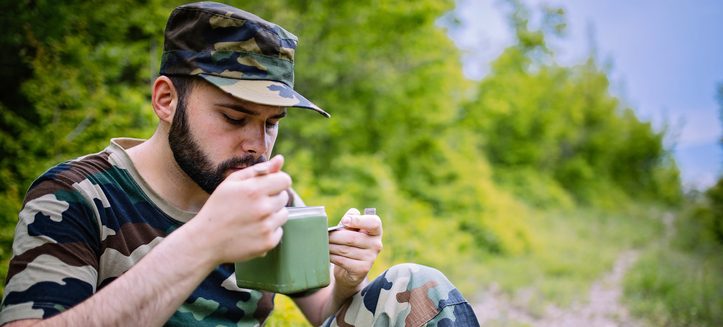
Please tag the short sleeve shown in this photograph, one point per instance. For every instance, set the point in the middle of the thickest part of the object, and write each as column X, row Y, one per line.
column 54, row 264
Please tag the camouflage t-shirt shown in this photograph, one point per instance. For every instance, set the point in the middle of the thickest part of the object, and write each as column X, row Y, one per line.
column 87, row 221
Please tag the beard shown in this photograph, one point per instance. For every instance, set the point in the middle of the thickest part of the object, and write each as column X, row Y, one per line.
column 193, row 161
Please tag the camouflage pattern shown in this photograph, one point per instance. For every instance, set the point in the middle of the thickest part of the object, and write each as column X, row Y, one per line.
column 87, row 221
column 406, row 295
column 237, row 51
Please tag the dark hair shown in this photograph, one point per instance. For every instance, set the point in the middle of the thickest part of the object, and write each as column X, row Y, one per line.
column 183, row 84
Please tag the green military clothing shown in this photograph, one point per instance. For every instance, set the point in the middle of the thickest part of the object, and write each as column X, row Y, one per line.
column 239, row 52
column 87, row 221
column 406, row 295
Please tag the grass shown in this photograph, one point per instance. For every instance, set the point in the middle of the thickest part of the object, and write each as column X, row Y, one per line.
column 673, row 288
column 679, row 281
column 572, row 249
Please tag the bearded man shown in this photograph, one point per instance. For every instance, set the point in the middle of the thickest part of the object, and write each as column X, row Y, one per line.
column 144, row 233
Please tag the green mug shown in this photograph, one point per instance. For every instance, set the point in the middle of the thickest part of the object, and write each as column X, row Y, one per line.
column 299, row 263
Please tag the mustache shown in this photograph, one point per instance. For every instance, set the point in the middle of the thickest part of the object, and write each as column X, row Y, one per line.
column 243, row 161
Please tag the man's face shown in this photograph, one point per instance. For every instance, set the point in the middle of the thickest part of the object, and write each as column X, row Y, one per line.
column 214, row 134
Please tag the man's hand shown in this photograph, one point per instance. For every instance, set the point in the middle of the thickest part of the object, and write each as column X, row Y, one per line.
column 242, row 219
column 354, row 249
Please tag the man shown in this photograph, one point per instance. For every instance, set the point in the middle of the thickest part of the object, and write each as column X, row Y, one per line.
column 142, row 233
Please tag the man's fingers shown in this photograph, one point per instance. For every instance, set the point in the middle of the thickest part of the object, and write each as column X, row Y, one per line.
column 371, row 224
column 280, row 217
column 266, row 184
column 275, row 239
column 352, row 211
column 356, row 268
column 282, row 198
column 274, row 183
column 351, row 252
column 349, row 238
column 272, row 166
column 355, row 239
column 268, row 167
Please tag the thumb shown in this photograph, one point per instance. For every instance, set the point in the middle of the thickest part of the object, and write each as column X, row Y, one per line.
column 272, row 166
column 352, row 211
column 346, row 219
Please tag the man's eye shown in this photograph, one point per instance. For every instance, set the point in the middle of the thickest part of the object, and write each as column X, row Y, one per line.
column 272, row 124
column 234, row 121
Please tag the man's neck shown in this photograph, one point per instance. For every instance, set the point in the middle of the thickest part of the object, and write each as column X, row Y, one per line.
column 154, row 161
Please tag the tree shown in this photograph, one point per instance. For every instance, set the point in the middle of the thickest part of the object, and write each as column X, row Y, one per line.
column 560, row 127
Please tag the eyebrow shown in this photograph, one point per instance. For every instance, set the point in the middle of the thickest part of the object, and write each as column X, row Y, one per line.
column 241, row 108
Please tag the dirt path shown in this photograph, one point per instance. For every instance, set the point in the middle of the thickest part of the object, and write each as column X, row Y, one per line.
column 602, row 307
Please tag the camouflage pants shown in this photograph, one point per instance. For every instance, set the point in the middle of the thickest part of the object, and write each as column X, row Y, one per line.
column 406, row 295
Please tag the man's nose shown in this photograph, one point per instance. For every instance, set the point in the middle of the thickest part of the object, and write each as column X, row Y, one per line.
column 254, row 139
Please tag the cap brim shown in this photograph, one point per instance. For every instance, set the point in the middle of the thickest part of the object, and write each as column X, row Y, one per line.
column 263, row 92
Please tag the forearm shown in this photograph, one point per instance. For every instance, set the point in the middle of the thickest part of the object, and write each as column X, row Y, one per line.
column 241, row 220
column 325, row 302
column 146, row 295
column 339, row 296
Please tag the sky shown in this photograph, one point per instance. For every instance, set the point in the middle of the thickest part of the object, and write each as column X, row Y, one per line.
column 666, row 58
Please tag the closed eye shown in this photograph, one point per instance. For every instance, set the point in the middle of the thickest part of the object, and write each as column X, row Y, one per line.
column 272, row 124
column 233, row 121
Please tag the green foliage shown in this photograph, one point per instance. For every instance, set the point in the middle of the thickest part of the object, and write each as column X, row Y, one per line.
column 563, row 123
column 677, row 281
column 707, row 217
column 674, row 288
column 453, row 166
column 538, row 190
column 286, row 314
column 80, row 75
column 393, row 142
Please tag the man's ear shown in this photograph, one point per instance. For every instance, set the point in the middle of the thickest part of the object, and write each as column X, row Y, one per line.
column 164, row 99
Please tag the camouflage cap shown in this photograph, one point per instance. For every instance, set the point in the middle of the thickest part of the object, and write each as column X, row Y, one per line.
column 237, row 51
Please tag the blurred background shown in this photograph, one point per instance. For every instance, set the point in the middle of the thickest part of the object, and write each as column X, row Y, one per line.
column 559, row 161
